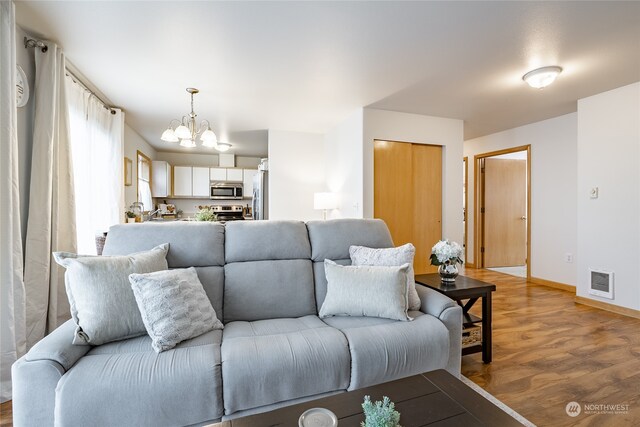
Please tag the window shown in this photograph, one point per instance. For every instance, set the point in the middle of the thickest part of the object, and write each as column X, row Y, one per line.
column 144, row 182
column 96, row 147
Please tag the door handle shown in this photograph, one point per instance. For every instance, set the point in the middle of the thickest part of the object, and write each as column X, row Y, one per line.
column 524, row 218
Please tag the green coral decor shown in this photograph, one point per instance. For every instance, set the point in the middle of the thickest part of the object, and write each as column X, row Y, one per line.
column 380, row 414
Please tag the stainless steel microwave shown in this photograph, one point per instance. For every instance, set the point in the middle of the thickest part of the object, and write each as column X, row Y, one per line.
column 220, row 190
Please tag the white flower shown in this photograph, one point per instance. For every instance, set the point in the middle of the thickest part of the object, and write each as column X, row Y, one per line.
column 447, row 251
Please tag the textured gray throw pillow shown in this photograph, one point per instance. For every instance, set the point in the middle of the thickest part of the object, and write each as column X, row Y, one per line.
column 361, row 255
column 174, row 306
column 371, row 291
column 100, row 296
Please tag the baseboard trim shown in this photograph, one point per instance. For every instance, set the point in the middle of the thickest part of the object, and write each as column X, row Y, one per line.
column 630, row 312
column 551, row 284
column 470, row 265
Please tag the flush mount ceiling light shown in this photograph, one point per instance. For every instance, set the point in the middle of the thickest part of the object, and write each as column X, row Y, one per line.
column 542, row 77
column 188, row 131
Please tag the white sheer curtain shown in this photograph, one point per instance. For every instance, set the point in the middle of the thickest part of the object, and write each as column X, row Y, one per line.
column 51, row 223
column 96, row 143
column 12, row 309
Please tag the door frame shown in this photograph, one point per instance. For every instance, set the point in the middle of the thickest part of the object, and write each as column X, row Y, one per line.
column 465, row 161
column 478, row 217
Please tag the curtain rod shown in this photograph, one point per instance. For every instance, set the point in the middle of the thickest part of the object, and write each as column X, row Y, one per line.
column 77, row 80
column 29, row 42
column 35, row 43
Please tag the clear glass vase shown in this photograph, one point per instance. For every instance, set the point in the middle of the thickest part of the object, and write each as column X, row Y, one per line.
column 448, row 272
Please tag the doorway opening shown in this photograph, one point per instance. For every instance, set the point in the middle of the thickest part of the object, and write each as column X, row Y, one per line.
column 503, row 211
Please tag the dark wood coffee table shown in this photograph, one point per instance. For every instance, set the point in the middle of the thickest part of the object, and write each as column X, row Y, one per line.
column 433, row 399
column 467, row 290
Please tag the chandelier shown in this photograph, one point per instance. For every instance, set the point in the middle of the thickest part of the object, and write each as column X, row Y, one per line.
column 188, row 130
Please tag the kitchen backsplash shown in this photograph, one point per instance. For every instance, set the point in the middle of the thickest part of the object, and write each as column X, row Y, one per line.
column 190, row 206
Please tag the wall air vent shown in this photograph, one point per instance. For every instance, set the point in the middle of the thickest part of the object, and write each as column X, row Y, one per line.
column 601, row 283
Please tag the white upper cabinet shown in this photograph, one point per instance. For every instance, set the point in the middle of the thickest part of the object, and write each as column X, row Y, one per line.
column 182, row 181
column 161, row 179
column 218, row 174
column 234, row 175
column 247, row 180
column 200, row 182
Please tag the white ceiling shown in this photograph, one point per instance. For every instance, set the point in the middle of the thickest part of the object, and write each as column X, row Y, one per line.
column 305, row 66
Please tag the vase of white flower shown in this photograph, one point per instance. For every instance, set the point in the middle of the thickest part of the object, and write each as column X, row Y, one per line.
column 447, row 255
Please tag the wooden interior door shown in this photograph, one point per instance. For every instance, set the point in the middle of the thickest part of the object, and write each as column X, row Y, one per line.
column 427, row 203
column 393, row 189
column 505, row 212
column 408, row 195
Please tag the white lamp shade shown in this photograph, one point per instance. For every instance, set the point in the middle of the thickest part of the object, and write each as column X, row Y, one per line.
column 169, row 136
column 324, row 201
column 222, row 146
column 183, row 132
column 208, row 136
column 209, row 143
column 188, row 143
column 542, row 77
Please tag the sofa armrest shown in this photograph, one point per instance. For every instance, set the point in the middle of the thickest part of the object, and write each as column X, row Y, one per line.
column 36, row 374
column 433, row 302
column 449, row 313
column 58, row 347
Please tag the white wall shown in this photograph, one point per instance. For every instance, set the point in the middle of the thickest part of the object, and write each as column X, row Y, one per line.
column 296, row 171
column 132, row 143
column 343, row 166
column 609, row 158
column 415, row 128
column 553, row 192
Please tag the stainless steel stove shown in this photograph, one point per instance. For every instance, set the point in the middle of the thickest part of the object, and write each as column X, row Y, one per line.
column 229, row 213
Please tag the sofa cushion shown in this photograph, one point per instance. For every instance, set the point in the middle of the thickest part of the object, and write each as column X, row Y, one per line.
column 174, row 306
column 260, row 290
column 384, row 350
column 100, row 297
column 275, row 360
column 332, row 239
column 266, row 240
column 192, row 243
column 144, row 388
column 366, row 291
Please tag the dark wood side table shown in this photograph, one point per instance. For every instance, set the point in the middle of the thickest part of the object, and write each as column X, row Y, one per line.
column 469, row 290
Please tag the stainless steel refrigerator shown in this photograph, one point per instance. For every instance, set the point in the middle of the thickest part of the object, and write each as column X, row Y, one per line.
column 260, row 206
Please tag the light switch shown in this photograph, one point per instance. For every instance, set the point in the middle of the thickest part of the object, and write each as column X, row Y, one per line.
column 594, row 193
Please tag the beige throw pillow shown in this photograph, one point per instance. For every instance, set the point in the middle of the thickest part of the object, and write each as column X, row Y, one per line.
column 370, row 291
column 361, row 255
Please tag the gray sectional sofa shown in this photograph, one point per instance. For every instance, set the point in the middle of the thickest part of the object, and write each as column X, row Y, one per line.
column 266, row 281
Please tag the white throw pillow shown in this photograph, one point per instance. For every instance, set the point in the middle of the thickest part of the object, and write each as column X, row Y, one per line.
column 100, row 297
column 371, row 291
column 361, row 255
column 174, row 306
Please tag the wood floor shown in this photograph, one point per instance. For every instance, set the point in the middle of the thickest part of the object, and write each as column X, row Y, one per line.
column 547, row 352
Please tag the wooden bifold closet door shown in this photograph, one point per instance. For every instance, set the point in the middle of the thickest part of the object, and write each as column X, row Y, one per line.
column 407, row 195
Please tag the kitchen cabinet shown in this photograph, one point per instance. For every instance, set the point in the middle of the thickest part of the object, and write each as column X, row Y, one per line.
column 247, row 179
column 182, row 181
column 200, row 182
column 234, row 175
column 218, row 174
column 161, row 179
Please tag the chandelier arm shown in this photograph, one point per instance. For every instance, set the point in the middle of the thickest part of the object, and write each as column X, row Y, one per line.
column 173, row 120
